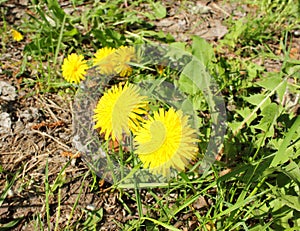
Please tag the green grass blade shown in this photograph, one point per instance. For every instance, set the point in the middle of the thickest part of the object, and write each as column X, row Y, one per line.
column 7, row 188
column 47, row 195
column 168, row 227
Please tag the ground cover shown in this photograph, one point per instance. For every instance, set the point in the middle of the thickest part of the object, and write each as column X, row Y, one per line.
column 249, row 48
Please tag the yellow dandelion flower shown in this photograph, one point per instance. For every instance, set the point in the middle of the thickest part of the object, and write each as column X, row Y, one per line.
column 17, row 36
column 74, row 68
column 104, row 60
column 123, row 56
column 120, row 110
column 166, row 141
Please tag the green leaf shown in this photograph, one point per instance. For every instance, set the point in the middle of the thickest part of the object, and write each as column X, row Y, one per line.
column 7, row 187
column 292, row 170
column 176, row 50
column 272, row 82
column 168, row 227
column 245, row 112
column 234, row 125
column 281, row 90
column 269, row 113
column 159, row 10
column 10, row 225
column 235, row 33
column 186, row 80
column 202, row 50
column 71, row 33
column 257, row 99
column 291, row 201
column 253, row 69
column 281, row 156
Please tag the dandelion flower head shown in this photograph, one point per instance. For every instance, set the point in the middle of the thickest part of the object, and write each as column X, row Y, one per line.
column 166, row 141
column 120, row 110
column 123, row 56
column 104, row 60
column 74, row 68
column 17, row 36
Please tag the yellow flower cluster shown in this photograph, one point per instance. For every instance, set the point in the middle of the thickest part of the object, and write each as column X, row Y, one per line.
column 163, row 141
column 115, row 61
column 108, row 61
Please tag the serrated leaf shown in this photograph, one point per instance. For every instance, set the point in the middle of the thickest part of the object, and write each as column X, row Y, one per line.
column 281, row 90
column 269, row 114
column 281, row 156
column 257, row 99
column 245, row 112
column 270, row 82
column 292, row 201
column 293, row 171
column 234, row 125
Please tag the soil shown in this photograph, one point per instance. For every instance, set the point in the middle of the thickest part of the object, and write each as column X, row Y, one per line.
column 36, row 134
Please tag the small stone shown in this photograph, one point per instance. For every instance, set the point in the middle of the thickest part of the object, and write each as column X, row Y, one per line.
column 200, row 203
column 7, row 91
column 29, row 114
column 297, row 33
column 91, row 207
column 73, row 162
column 5, row 123
column 10, row 193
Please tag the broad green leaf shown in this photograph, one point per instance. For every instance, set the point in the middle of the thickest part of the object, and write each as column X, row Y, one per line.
column 253, row 69
column 202, row 50
column 234, row 125
column 159, row 10
column 186, row 85
column 176, row 50
column 188, row 77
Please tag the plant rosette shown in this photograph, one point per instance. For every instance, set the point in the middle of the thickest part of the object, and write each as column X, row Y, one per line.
column 136, row 119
